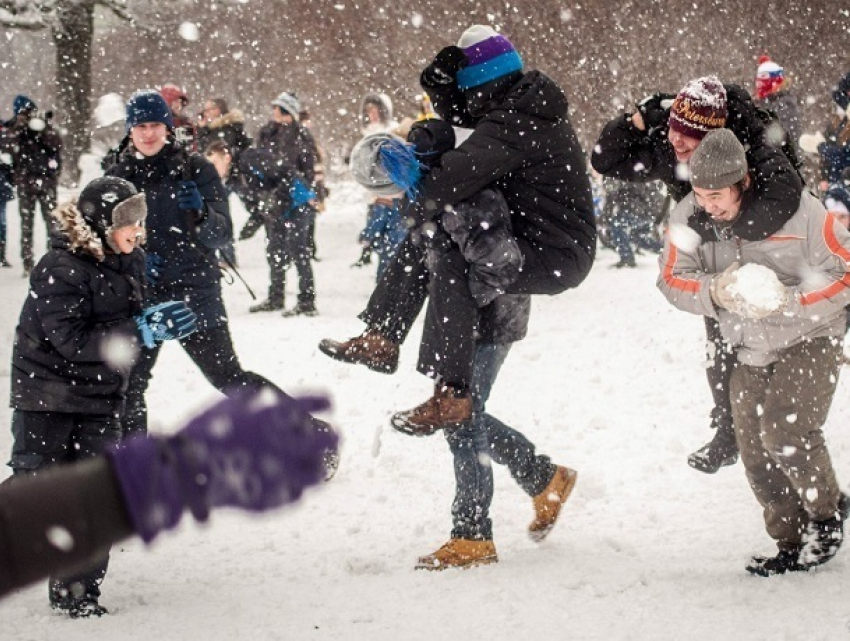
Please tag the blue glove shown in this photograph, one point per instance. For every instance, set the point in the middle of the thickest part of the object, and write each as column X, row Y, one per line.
column 166, row 321
column 188, row 196
column 153, row 265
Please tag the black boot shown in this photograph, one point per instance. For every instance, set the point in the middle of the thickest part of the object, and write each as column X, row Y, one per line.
column 822, row 541
column 302, row 309
column 268, row 305
column 784, row 561
column 3, row 261
column 720, row 451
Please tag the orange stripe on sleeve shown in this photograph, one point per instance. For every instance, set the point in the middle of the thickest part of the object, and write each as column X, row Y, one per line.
column 825, row 293
column 675, row 282
column 831, row 239
column 837, row 249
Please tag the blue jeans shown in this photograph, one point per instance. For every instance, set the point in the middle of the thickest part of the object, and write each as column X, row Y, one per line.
column 485, row 438
column 627, row 229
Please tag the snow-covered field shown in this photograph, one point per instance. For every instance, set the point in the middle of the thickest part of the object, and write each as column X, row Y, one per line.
column 609, row 382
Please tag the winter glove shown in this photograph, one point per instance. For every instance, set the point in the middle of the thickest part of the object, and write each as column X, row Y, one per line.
column 166, row 321
column 655, row 109
column 444, row 68
column 719, row 290
column 253, row 451
column 365, row 257
column 189, row 198
column 153, row 265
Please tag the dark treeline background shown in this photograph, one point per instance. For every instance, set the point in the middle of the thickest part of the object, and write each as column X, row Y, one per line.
column 604, row 53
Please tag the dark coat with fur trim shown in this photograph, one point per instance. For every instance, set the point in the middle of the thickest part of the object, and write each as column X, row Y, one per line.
column 76, row 334
column 190, row 272
column 293, row 144
column 625, row 152
column 228, row 128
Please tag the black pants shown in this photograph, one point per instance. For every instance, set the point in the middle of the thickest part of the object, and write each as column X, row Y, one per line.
column 721, row 362
column 42, row 439
column 27, row 201
column 448, row 339
column 212, row 351
column 289, row 242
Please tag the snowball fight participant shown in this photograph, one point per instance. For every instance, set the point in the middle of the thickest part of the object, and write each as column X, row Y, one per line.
column 75, row 342
column 36, row 150
column 655, row 142
column 57, row 521
column 629, row 213
column 524, row 145
column 184, row 128
column 188, row 219
column 833, row 144
column 289, row 239
column 779, row 300
column 7, row 192
column 772, row 93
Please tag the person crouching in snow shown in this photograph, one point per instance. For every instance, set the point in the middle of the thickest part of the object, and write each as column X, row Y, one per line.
column 780, row 301
column 75, row 343
column 481, row 227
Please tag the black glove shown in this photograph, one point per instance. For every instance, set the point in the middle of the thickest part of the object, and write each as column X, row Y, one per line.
column 445, row 66
column 365, row 258
column 655, row 109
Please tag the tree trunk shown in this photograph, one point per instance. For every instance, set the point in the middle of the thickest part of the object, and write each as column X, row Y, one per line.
column 73, row 40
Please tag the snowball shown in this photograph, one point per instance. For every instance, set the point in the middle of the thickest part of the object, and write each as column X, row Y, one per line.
column 60, row 538
column 758, row 286
column 109, row 110
column 189, row 31
column 119, row 352
column 683, row 173
column 684, row 237
column 416, row 20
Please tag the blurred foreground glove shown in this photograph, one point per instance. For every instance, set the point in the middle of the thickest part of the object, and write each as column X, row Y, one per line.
column 255, row 451
column 445, row 66
column 719, row 290
column 189, row 198
column 153, row 265
column 655, row 109
column 365, row 257
column 166, row 321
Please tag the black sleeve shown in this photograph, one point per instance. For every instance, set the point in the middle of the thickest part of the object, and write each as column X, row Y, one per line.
column 57, row 521
column 623, row 151
column 448, row 101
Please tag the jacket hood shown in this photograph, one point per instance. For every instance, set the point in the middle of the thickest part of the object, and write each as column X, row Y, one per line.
column 384, row 104
column 232, row 117
column 537, row 95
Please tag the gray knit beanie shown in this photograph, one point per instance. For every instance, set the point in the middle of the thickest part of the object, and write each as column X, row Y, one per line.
column 719, row 161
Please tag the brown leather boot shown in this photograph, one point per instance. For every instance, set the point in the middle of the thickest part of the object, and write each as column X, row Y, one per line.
column 547, row 504
column 370, row 349
column 443, row 410
column 459, row 553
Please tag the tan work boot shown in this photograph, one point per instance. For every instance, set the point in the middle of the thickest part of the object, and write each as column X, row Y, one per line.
column 459, row 553
column 443, row 410
column 547, row 504
column 370, row 349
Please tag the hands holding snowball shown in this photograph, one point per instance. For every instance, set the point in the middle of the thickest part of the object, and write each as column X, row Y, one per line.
column 752, row 291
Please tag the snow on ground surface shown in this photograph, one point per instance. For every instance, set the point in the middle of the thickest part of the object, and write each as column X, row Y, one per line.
column 609, row 381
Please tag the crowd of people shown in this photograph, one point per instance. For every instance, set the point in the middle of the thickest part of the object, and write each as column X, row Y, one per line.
column 467, row 228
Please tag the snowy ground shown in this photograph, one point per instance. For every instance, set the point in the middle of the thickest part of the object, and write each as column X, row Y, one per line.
column 608, row 382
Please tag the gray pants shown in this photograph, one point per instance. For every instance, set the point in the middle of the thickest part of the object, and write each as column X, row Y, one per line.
column 778, row 412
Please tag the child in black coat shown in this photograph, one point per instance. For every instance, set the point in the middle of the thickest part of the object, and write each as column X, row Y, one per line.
column 78, row 335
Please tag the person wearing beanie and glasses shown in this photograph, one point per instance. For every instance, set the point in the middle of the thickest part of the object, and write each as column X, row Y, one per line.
column 655, row 142
column 779, row 300
column 75, row 342
column 188, row 219
column 290, row 238
column 522, row 143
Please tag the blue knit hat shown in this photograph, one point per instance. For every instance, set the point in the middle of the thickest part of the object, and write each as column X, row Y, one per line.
column 22, row 103
column 148, row 106
column 489, row 56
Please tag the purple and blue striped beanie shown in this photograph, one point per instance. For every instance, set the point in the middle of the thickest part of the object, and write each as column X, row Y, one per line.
column 489, row 55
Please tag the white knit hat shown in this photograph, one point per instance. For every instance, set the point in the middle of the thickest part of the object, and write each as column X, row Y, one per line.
column 289, row 103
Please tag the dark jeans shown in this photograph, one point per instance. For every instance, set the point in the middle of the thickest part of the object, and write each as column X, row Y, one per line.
column 448, row 339
column 42, row 439
column 27, row 201
column 483, row 439
column 212, row 351
column 721, row 362
column 627, row 229
column 289, row 241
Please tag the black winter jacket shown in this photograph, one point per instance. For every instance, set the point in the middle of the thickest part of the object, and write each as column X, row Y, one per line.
column 527, row 148
column 625, row 152
column 293, row 144
column 36, row 157
column 229, row 128
column 77, row 313
column 190, row 272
